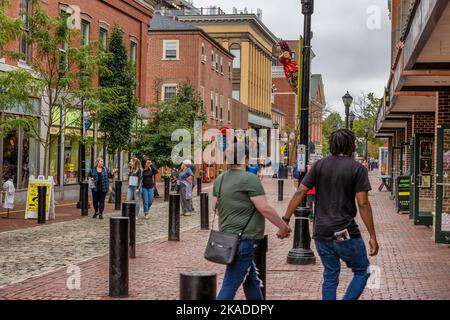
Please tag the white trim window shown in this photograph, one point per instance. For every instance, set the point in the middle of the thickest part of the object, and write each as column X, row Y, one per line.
column 221, row 107
column 212, row 115
column 212, row 60
column 168, row 91
column 217, row 62
column 216, row 104
column 202, row 96
column 221, row 65
column 171, row 49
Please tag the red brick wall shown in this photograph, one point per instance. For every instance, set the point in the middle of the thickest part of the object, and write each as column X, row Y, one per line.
column 133, row 18
column 190, row 68
column 286, row 101
column 423, row 123
column 239, row 115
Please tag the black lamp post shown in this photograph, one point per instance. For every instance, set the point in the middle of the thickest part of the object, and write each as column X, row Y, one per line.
column 348, row 100
column 301, row 253
column 352, row 118
column 366, row 135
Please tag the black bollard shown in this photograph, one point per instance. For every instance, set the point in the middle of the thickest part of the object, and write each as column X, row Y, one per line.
column 118, row 257
column 261, row 261
column 118, row 203
column 204, row 211
column 42, row 198
column 199, row 186
column 166, row 188
column 84, row 199
column 301, row 253
column 129, row 210
column 198, row 286
column 280, row 190
column 174, row 217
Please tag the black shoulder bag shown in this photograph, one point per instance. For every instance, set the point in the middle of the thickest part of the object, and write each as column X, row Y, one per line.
column 222, row 247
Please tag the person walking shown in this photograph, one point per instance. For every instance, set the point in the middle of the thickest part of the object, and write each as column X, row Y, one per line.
column 148, row 186
column 186, row 178
column 242, row 209
column 99, row 176
column 338, row 180
column 134, row 183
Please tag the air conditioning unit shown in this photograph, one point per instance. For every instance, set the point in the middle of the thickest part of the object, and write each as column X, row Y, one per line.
column 203, row 57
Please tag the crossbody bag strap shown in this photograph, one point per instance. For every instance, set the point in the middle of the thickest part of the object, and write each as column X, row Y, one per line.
column 218, row 199
column 251, row 217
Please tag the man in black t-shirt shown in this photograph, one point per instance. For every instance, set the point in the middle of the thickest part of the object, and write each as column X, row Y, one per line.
column 338, row 180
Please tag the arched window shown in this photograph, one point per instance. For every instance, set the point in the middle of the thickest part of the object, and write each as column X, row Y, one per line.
column 235, row 50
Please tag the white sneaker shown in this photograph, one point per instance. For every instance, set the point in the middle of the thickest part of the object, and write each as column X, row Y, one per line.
column 147, row 217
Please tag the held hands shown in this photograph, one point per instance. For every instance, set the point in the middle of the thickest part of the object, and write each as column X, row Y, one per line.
column 284, row 232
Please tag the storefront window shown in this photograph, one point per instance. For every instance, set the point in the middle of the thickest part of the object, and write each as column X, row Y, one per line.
column 126, row 160
column 10, row 156
column 71, row 153
column 54, row 152
column 29, row 159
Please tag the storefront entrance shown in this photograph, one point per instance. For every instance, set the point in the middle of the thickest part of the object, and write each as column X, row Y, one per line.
column 442, row 226
column 422, row 179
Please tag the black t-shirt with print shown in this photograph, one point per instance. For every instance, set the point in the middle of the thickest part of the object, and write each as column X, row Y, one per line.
column 337, row 180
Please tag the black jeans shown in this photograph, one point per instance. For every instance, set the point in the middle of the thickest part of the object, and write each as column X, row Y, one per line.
column 98, row 197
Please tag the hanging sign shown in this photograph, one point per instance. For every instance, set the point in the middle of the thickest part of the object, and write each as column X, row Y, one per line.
column 31, row 210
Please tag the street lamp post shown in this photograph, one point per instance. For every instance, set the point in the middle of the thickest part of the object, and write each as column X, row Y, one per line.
column 301, row 253
column 348, row 100
column 366, row 135
column 352, row 118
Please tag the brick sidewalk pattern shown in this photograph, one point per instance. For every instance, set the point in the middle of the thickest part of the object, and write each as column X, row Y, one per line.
column 411, row 265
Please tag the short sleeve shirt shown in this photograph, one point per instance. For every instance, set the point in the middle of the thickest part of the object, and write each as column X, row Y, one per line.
column 234, row 205
column 337, row 180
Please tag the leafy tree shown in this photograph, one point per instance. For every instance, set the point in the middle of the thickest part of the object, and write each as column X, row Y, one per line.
column 366, row 109
column 331, row 123
column 18, row 85
column 118, row 84
column 178, row 112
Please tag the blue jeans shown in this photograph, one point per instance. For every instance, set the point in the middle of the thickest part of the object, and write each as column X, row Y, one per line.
column 133, row 195
column 242, row 271
column 353, row 253
column 147, row 198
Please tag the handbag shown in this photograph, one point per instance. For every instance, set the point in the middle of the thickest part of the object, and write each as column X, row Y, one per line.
column 134, row 181
column 222, row 246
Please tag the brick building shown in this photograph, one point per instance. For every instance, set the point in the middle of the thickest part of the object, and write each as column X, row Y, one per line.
column 23, row 156
column 415, row 114
column 179, row 53
column 287, row 100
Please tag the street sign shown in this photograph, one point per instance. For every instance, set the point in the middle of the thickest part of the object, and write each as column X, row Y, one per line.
column 301, row 158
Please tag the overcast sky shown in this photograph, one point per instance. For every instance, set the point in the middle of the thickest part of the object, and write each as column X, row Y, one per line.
column 349, row 54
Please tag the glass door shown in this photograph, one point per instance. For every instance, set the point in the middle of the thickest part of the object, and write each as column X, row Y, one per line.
column 423, row 169
column 442, row 227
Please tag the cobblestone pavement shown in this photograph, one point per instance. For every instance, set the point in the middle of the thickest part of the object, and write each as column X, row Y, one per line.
column 42, row 249
column 411, row 265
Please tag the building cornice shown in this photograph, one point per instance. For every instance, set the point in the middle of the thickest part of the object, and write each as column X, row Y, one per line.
column 252, row 18
column 148, row 4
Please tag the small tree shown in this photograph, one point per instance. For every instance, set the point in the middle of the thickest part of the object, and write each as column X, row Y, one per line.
column 178, row 112
column 66, row 71
column 118, row 85
column 331, row 123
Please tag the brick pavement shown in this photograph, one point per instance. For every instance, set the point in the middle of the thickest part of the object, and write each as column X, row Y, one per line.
column 65, row 211
column 411, row 265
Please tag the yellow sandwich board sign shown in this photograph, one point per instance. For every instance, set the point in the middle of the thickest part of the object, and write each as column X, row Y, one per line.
column 31, row 209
